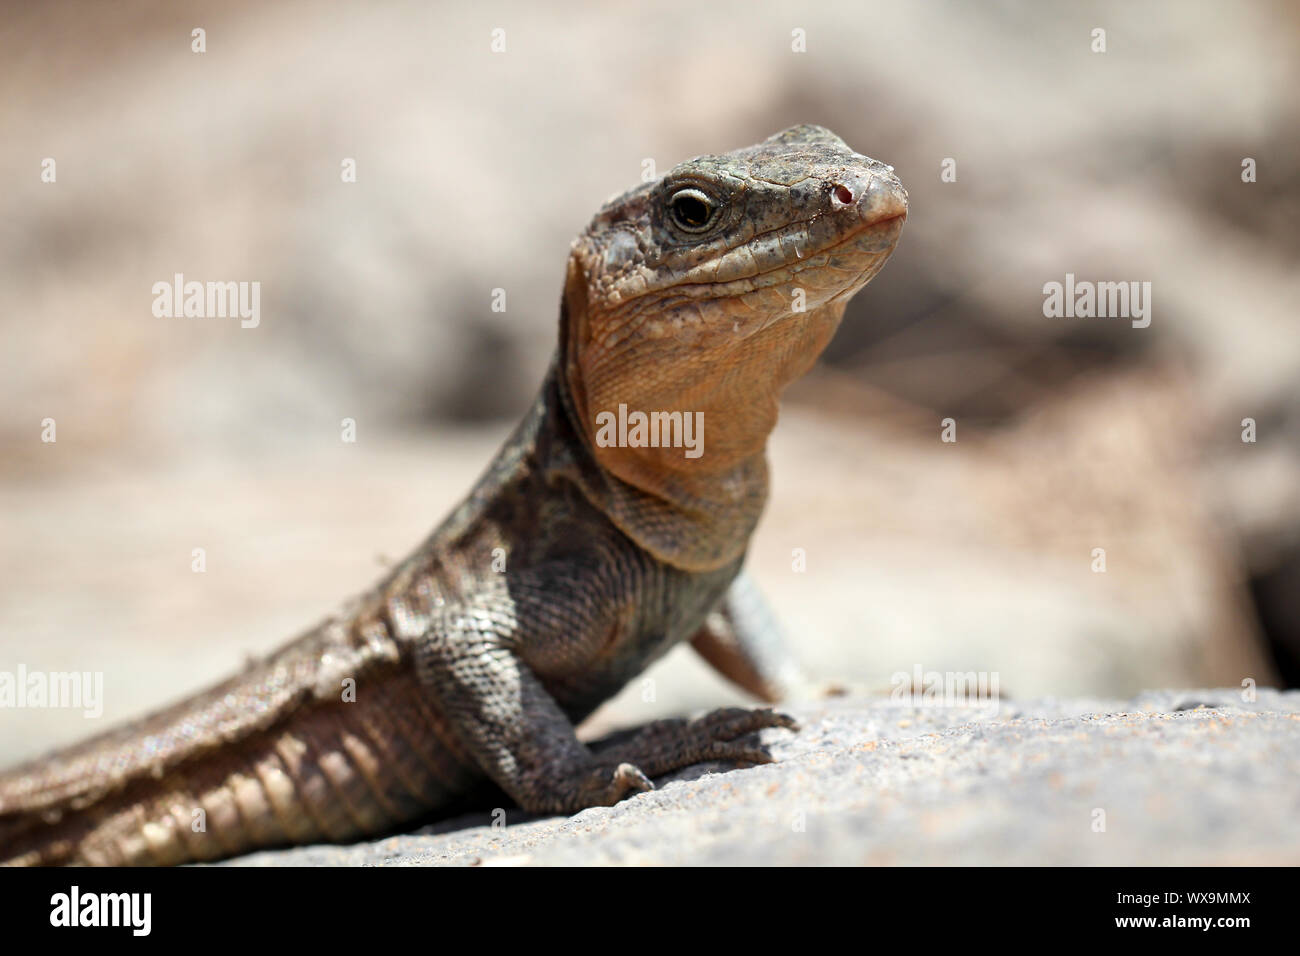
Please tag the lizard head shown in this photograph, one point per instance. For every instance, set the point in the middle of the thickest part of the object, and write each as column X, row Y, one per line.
column 713, row 288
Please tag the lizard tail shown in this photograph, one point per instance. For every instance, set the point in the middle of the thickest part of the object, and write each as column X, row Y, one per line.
column 270, row 757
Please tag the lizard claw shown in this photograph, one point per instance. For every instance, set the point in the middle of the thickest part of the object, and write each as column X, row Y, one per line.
column 606, row 785
column 630, row 778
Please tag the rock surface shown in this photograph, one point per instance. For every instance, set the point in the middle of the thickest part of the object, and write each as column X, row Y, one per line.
column 1170, row 777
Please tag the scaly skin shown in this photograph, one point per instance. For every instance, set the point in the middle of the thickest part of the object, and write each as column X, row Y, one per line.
column 569, row 568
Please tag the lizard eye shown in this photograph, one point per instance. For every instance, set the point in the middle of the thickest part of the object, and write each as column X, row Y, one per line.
column 691, row 210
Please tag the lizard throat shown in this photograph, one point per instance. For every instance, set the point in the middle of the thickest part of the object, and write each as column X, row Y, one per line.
column 692, row 511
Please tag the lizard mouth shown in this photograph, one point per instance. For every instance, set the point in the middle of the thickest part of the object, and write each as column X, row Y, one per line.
column 870, row 241
column 870, row 227
column 844, row 266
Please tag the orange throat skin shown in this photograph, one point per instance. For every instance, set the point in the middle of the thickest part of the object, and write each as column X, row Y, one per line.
column 693, row 507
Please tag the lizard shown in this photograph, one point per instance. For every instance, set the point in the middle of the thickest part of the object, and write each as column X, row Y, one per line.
column 572, row 564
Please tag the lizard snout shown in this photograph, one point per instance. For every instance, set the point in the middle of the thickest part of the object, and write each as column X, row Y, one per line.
column 876, row 198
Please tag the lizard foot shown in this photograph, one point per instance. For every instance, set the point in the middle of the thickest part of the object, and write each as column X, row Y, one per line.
column 624, row 768
column 672, row 744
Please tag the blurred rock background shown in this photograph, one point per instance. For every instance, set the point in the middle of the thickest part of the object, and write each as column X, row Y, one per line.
column 475, row 169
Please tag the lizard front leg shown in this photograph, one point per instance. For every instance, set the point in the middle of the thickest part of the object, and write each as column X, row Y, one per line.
column 742, row 640
column 511, row 725
column 475, row 662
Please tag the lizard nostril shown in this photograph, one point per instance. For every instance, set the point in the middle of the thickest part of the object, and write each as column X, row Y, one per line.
column 844, row 195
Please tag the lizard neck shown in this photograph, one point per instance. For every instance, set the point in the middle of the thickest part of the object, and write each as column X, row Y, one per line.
column 693, row 506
